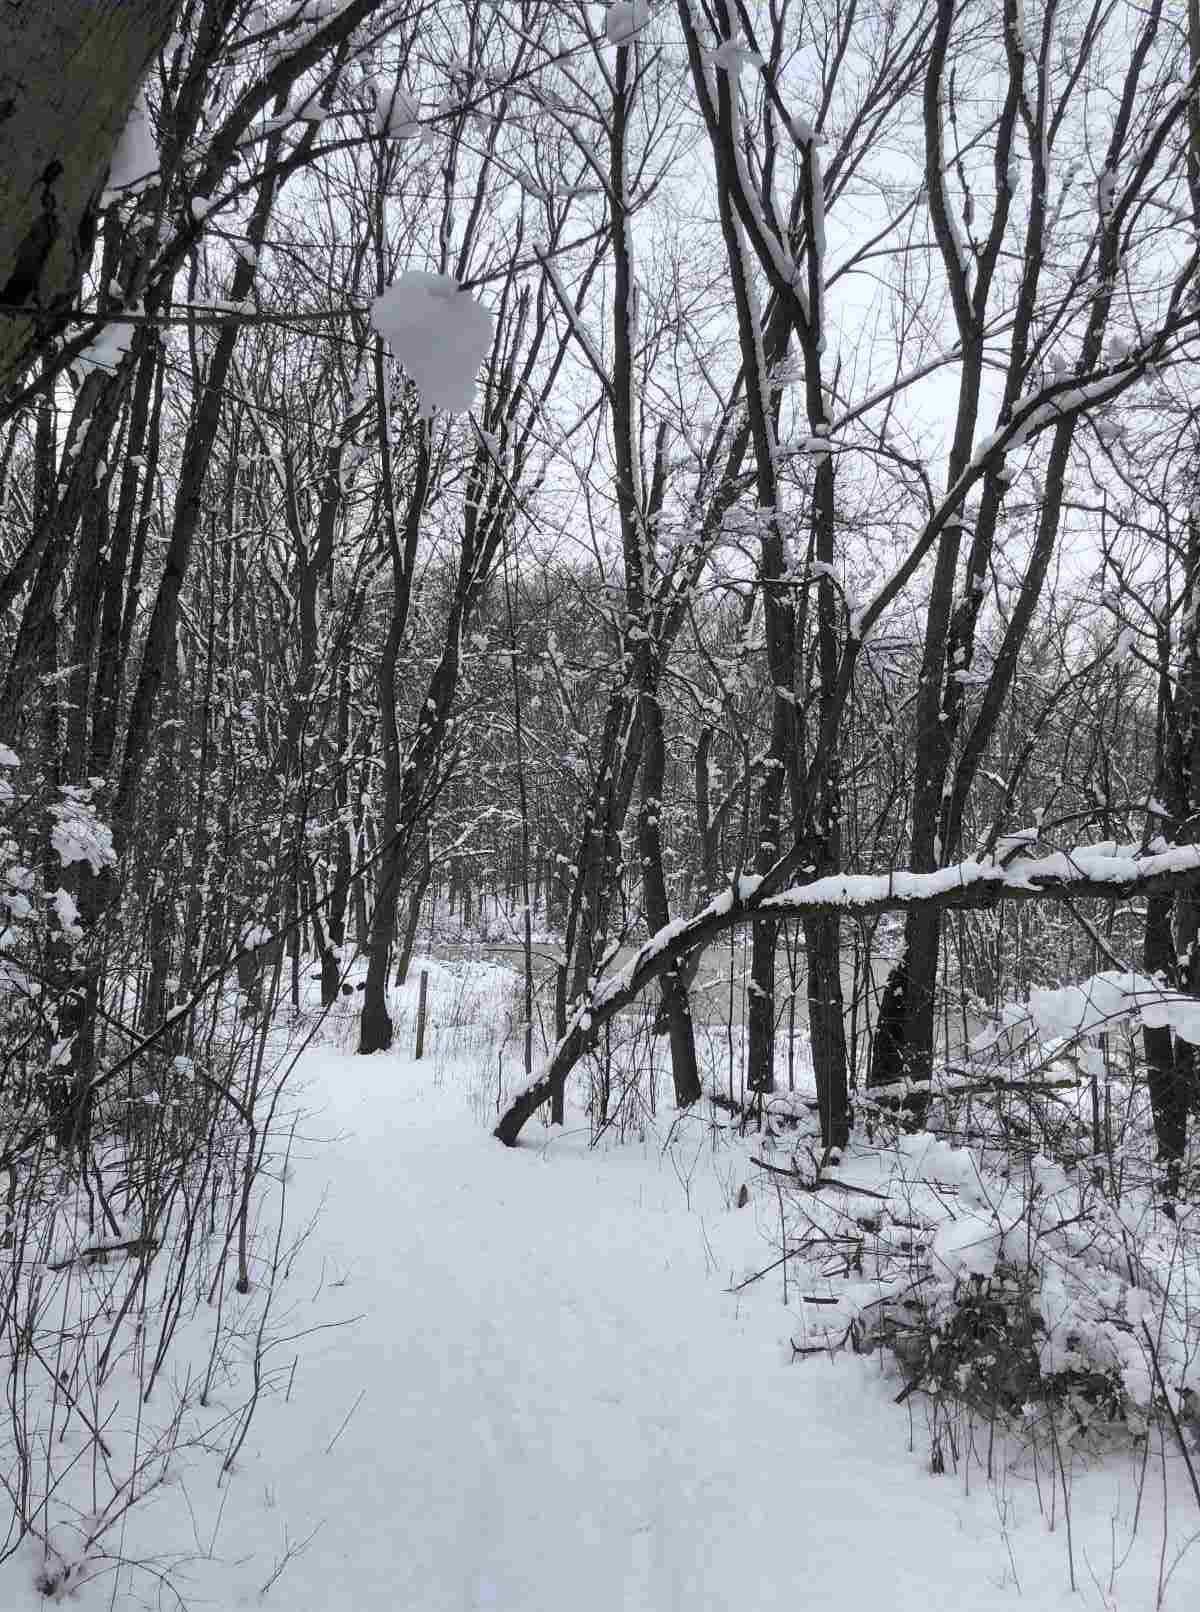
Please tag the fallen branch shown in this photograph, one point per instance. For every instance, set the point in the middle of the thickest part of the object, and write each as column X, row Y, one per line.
column 849, row 1186
column 140, row 1247
column 767, row 1269
column 777, row 1169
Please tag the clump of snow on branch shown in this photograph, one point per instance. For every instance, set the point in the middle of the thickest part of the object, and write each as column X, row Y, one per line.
column 67, row 914
column 135, row 161
column 1097, row 1003
column 397, row 115
column 78, row 834
column 622, row 22
column 439, row 334
column 111, row 345
column 1106, row 191
column 730, row 56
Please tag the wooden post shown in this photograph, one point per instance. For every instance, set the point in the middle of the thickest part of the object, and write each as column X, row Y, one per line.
column 421, row 1012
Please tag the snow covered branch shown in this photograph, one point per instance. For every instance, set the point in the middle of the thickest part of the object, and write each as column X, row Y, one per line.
column 1106, row 871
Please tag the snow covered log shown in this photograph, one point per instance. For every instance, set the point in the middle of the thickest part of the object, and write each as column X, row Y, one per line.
column 70, row 71
column 1104, row 871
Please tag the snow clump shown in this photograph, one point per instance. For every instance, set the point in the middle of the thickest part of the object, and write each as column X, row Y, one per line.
column 622, row 22
column 397, row 115
column 78, row 834
column 439, row 334
column 135, row 161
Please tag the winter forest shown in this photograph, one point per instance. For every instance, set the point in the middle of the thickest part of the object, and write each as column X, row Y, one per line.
column 621, row 580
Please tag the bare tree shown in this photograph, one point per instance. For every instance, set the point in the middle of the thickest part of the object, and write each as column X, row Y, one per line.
column 984, row 176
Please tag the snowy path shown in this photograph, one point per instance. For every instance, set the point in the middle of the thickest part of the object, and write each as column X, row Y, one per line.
column 562, row 1407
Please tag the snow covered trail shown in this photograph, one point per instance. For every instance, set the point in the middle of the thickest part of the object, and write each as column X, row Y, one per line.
column 518, row 1380
column 562, row 1407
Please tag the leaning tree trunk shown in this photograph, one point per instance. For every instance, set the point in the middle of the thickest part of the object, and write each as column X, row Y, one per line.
column 415, row 897
column 70, row 71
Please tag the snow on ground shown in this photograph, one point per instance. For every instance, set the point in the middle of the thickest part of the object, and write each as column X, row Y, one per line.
column 522, row 1384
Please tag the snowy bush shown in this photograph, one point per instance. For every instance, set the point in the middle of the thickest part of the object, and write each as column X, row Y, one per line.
column 132, row 1201
column 40, row 828
column 1008, row 1284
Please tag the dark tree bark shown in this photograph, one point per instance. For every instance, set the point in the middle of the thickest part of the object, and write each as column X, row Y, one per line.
column 827, row 1027
column 95, row 414
column 189, row 511
column 70, row 71
column 1172, row 928
column 779, row 614
column 403, row 778
column 1170, row 1061
column 676, row 1006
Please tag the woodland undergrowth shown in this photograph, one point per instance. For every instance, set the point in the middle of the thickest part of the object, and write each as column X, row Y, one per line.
column 143, row 1233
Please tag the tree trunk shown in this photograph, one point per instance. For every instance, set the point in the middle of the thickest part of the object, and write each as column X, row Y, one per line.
column 415, row 898
column 1169, row 1060
column 826, row 1022
column 189, row 510
column 70, row 71
column 1171, row 951
column 760, row 1009
column 676, row 1006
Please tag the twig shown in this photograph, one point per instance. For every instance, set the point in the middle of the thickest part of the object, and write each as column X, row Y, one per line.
column 782, row 1240
column 777, row 1169
column 139, row 1246
column 821, row 1181
column 290, row 1551
column 1184, row 1451
column 849, row 1186
column 345, row 1420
